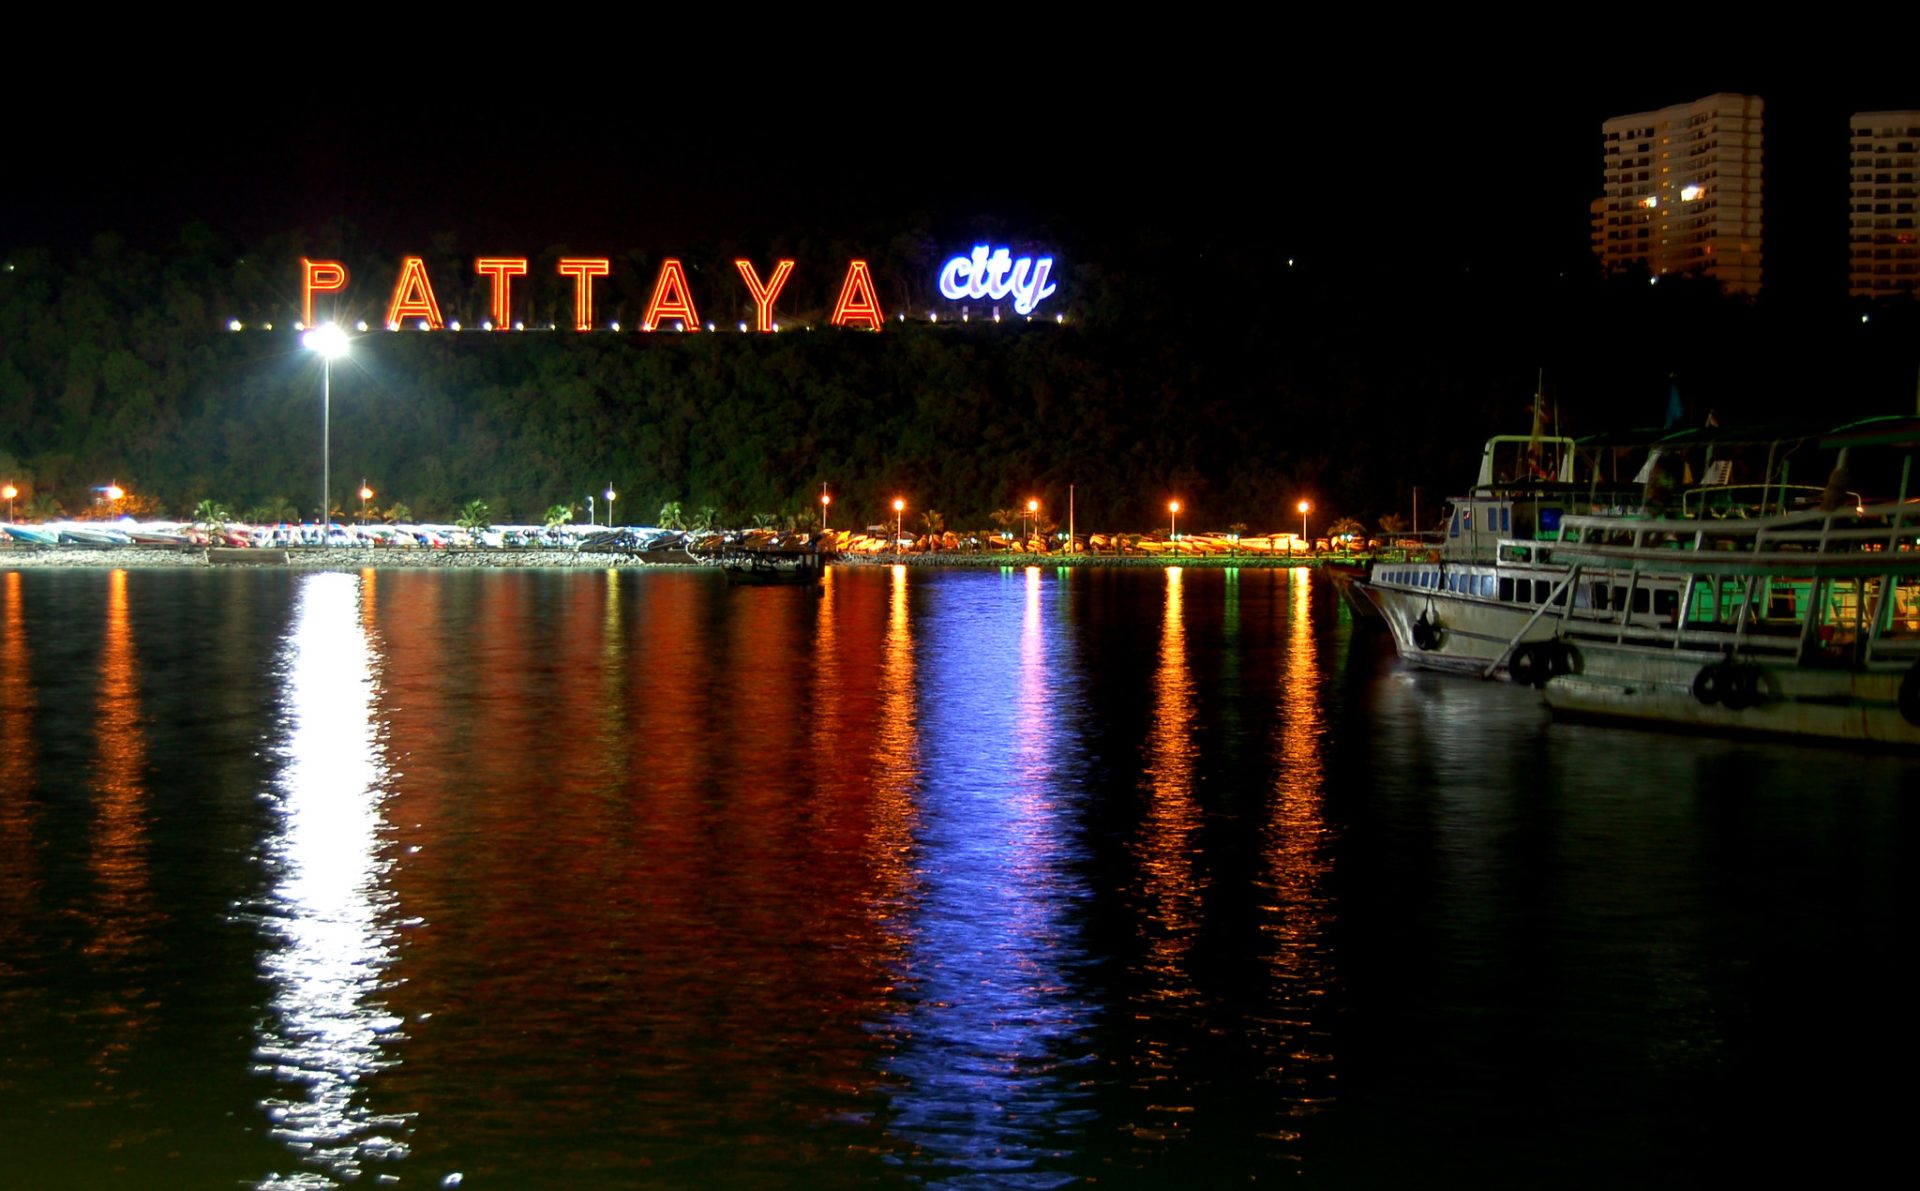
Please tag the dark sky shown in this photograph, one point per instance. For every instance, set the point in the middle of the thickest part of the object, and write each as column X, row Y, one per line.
column 1436, row 167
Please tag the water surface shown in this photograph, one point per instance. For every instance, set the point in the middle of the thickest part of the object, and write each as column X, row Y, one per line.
column 960, row 878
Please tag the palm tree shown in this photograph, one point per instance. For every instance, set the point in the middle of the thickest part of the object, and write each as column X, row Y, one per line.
column 475, row 517
column 212, row 514
column 398, row 514
column 706, row 519
column 671, row 516
column 561, row 514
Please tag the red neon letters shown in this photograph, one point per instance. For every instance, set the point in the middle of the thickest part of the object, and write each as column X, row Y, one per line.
column 858, row 303
column 318, row 277
column 583, row 270
column 671, row 304
column 503, row 269
column 413, row 296
column 671, row 298
column 764, row 295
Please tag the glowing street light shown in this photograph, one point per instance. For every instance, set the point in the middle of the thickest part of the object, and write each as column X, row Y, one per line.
column 1173, row 519
column 826, row 499
column 9, row 492
column 1033, row 510
column 1303, row 506
column 366, row 494
column 899, row 507
column 610, row 504
column 113, row 491
column 331, row 342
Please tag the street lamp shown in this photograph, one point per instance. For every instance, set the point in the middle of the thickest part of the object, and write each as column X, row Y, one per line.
column 1303, row 506
column 609, row 504
column 331, row 342
column 899, row 507
column 1033, row 510
column 1173, row 519
column 825, row 501
column 9, row 492
column 366, row 494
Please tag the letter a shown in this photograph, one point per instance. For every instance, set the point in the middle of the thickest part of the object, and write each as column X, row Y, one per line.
column 318, row 277
column 764, row 295
column 413, row 296
column 670, row 298
column 858, row 303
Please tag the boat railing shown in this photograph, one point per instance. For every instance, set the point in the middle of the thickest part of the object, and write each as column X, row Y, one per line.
column 1846, row 537
column 1722, row 501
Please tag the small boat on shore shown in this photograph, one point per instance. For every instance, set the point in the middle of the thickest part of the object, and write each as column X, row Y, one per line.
column 26, row 535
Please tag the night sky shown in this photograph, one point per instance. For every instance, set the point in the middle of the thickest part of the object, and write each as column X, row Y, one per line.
column 1428, row 170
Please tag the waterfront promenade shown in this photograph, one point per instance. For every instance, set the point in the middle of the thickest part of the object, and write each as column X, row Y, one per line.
column 353, row 558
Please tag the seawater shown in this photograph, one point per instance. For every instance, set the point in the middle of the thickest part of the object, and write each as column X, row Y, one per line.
column 1023, row 878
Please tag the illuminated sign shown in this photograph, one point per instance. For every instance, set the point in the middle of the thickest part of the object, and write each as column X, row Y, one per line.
column 503, row 269
column 318, row 277
column 671, row 299
column 858, row 303
column 583, row 271
column 763, row 295
column 988, row 273
column 993, row 273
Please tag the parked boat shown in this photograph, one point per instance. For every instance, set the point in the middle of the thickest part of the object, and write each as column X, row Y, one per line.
column 26, row 535
column 1799, row 622
column 1486, row 584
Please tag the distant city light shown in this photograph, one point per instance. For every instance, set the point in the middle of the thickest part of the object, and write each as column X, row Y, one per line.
column 454, row 325
column 233, row 325
column 1689, row 192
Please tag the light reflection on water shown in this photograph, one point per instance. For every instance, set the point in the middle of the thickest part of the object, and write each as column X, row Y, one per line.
column 1297, row 910
column 935, row 877
column 328, row 921
column 985, row 1080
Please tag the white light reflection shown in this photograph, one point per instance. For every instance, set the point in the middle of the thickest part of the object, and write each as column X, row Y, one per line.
column 328, row 911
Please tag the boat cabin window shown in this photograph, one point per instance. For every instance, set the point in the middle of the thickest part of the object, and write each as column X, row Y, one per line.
column 1666, row 602
column 1453, row 526
column 1549, row 521
column 1642, row 602
column 1506, row 590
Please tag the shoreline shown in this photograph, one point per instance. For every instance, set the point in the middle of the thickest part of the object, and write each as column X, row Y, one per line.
column 350, row 558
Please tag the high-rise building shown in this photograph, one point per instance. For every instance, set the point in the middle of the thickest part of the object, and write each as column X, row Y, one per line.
column 1886, row 252
column 1682, row 191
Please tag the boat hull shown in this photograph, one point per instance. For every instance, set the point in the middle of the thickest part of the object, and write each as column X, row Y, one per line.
column 1839, row 706
column 1469, row 636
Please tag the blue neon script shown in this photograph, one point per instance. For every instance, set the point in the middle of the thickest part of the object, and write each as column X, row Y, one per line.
column 993, row 273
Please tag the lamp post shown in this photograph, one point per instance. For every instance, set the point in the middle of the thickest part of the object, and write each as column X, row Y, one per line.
column 9, row 492
column 1173, row 519
column 899, row 507
column 1033, row 511
column 826, row 500
column 593, row 518
column 366, row 494
column 1303, row 507
column 609, row 504
column 331, row 342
